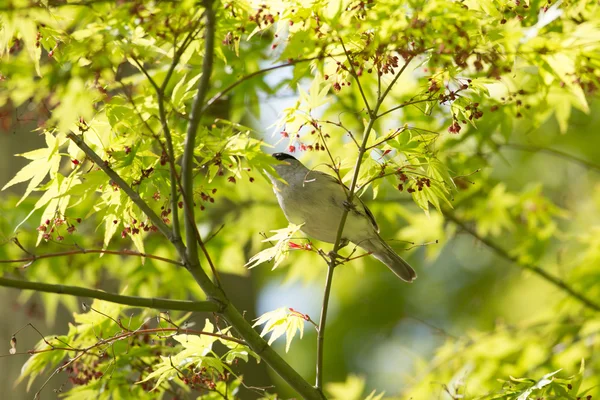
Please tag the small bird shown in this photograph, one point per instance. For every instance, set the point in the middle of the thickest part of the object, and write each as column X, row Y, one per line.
column 317, row 200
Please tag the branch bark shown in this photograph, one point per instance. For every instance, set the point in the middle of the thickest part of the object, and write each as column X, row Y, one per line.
column 134, row 301
column 196, row 113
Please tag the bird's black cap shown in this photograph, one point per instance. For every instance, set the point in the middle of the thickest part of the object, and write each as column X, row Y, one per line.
column 283, row 156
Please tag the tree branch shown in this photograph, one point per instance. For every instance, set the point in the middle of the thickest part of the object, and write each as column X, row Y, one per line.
column 243, row 79
column 160, row 94
column 134, row 196
column 554, row 152
column 157, row 303
column 355, row 75
column 190, row 139
column 533, row 268
column 408, row 103
column 338, row 241
column 34, row 257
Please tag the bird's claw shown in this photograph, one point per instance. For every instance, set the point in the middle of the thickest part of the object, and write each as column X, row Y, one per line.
column 335, row 256
column 349, row 206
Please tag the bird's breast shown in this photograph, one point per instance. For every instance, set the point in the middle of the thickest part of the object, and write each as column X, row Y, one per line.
column 319, row 206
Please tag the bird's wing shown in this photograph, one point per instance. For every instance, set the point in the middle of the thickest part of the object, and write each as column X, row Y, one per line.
column 370, row 215
column 368, row 212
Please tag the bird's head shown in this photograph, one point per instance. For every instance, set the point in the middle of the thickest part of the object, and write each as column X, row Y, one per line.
column 288, row 165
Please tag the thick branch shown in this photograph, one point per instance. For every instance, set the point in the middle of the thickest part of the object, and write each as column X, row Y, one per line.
column 157, row 303
column 190, row 140
column 133, row 195
column 533, row 268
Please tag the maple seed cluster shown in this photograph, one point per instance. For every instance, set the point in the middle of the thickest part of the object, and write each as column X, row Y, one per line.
column 81, row 374
column 134, row 228
column 49, row 227
column 205, row 197
column 316, row 146
column 204, row 379
column 262, row 16
column 419, row 183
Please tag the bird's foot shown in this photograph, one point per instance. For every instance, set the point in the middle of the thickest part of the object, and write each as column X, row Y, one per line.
column 335, row 257
column 349, row 206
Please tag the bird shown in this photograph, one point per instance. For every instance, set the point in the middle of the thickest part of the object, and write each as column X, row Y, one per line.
column 317, row 200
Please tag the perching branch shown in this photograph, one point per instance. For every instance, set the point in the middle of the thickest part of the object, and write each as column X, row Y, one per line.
column 533, row 268
column 134, row 301
column 338, row 241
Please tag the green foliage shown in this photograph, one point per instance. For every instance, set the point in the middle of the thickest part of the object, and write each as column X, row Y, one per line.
column 430, row 100
column 106, row 349
column 282, row 321
column 280, row 249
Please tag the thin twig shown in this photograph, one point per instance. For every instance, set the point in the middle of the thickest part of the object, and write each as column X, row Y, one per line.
column 355, row 75
column 408, row 103
column 554, row 152
column 243, row 79
column 160, row 93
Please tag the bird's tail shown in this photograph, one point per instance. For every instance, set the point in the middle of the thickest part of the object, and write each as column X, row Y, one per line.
column 384, row 253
